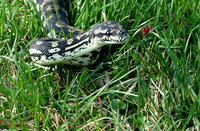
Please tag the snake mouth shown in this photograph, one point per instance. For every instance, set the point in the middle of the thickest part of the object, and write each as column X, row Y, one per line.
column 114, row 39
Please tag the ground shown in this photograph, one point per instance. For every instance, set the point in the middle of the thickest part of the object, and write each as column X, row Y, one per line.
column 152, row 82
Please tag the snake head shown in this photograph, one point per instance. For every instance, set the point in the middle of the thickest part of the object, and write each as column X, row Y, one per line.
column 109, row 32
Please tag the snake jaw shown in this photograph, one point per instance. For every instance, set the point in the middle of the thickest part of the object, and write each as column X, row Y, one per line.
column 112, row 40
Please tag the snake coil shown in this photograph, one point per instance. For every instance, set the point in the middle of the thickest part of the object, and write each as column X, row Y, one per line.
column 80, row 47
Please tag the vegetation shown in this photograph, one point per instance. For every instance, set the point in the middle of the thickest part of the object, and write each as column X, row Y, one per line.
column 150, row 83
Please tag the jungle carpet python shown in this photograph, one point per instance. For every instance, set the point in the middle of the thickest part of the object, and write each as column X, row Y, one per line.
column 81, row 47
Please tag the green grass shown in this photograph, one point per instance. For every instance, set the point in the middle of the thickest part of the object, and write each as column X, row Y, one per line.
column 153, row 82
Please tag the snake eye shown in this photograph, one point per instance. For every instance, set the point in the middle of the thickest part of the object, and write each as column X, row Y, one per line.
column 109, row 33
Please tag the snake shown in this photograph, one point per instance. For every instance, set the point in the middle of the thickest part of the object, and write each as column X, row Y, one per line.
column 69, row 45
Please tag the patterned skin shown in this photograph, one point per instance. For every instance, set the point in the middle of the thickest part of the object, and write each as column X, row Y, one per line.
column 81, row 47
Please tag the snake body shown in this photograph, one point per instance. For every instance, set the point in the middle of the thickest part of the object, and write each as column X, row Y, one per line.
column 80, row 47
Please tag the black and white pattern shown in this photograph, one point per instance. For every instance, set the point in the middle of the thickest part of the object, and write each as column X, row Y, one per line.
column 80, row 47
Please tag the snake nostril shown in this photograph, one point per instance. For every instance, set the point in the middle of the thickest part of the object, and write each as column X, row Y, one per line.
column 125, row 31
column 122, row 32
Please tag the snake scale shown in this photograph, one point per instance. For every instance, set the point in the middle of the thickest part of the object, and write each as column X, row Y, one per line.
column 80, row 47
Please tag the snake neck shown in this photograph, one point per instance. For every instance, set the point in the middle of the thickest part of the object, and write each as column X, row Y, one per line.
column 61, row 51
column 81, row 44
